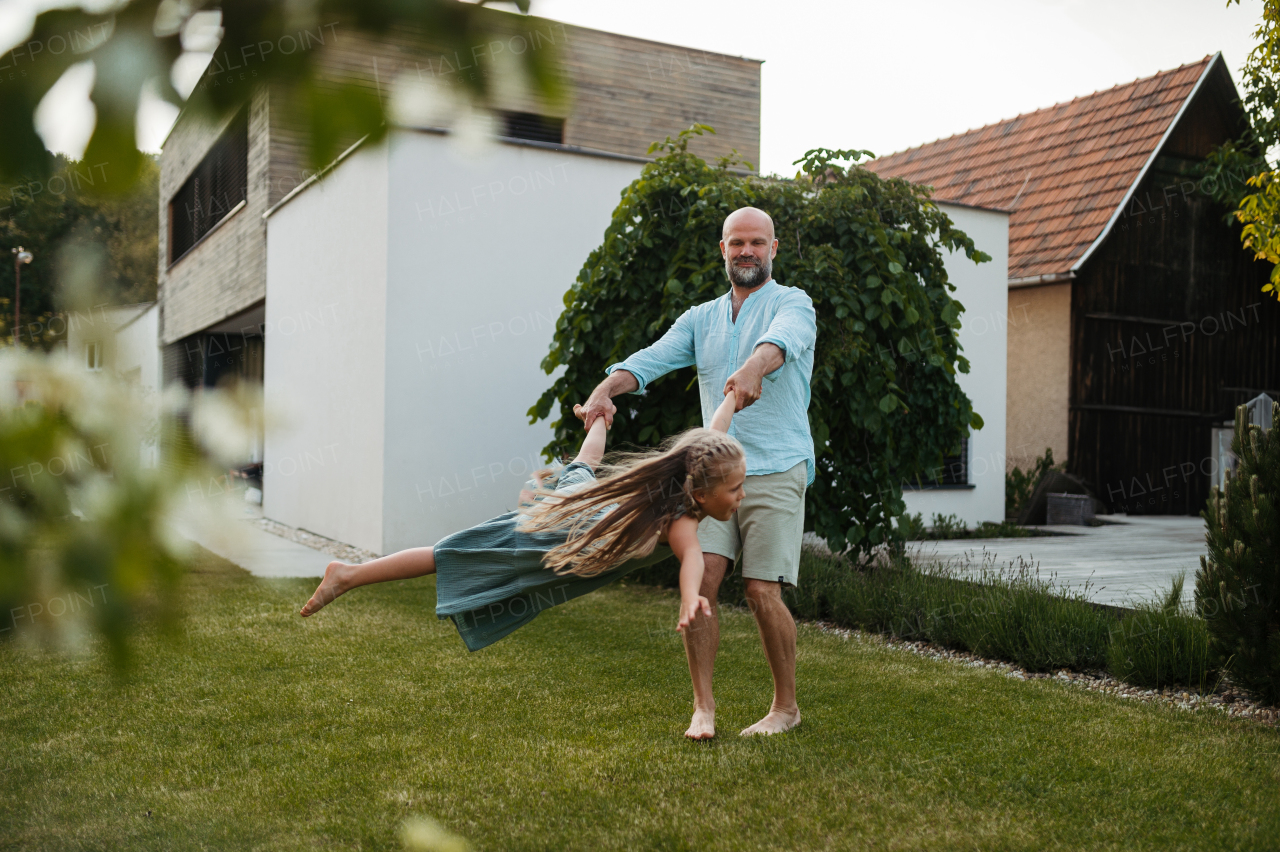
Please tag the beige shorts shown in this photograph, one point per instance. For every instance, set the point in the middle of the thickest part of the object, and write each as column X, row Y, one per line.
column 767, row 529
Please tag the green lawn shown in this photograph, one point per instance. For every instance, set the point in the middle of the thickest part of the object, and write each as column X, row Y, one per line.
column 260, row 730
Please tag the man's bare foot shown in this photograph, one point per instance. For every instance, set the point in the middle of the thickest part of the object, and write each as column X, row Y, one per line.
column 330, row 587
column 703, row 726
column 775, row 723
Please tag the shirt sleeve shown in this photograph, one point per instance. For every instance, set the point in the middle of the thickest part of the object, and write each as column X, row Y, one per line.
column 793, row 329
column 670, row 352
column 575, row 477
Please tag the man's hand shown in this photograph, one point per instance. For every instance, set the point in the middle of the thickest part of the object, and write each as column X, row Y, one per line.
column 600, row 403
column 746, row 383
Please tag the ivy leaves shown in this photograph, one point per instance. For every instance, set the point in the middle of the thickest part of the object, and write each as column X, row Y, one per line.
column 885, row 404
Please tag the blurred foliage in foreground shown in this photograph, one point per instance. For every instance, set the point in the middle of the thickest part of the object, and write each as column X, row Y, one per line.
column 87, row 543
column 135, row 46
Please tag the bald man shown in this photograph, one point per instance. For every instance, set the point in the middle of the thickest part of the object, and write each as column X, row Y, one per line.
column 758, row 331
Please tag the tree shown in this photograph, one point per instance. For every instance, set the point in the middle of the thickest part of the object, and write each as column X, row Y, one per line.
column 1259, row 210
column 867, row 250
column 1238, row 584
column 58, row 217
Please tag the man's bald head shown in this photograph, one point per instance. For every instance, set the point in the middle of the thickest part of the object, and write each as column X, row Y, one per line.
column 748, row 246
column 747, row 218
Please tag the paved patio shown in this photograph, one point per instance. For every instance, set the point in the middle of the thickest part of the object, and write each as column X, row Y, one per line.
column 259, row 552
column 1130, row 559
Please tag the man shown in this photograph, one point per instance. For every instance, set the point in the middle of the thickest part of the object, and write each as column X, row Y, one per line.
column 758, row 330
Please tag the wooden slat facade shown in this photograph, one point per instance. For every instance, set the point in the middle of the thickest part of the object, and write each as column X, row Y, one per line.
column 1169, row 329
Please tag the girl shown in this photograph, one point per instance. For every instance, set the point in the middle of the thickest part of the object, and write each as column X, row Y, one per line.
column 576, row 534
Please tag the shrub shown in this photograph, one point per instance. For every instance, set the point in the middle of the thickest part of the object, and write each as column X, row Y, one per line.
column 1010, row 613
column 1019, row 484
column 948, row 526
column 1238, row 584
column 912, row 528
column 1161, row 644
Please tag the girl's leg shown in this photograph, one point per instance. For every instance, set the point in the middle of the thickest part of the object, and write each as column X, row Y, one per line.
column 339, row 577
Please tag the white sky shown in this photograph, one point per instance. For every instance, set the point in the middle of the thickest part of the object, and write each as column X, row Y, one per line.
column 839, row 74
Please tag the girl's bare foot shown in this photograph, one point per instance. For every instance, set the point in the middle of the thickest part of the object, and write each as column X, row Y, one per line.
column 775, row 722
column 703, row 726
column 335, row 573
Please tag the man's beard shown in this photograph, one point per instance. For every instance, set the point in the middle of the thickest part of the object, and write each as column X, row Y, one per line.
column 749, row 276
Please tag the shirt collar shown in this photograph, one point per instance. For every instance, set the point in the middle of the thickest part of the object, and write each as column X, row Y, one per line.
column 728, row 296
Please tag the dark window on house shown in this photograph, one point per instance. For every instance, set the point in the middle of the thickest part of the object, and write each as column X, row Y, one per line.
column 954, row 470
column 530, row 125
column 217, row 185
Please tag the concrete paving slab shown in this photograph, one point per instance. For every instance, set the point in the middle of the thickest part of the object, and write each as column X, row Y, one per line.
column 1133, row 558
column 257, row 551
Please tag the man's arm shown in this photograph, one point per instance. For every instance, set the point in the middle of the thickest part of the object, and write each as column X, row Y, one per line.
column 670, row 352
column 794, row 329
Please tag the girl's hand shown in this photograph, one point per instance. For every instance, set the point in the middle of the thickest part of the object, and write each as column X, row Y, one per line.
column 689, row 610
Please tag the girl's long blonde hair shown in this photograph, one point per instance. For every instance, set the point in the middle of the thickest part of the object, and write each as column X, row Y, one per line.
column 650, row 489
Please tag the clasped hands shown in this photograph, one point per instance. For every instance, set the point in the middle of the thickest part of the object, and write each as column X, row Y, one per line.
column 746, row 384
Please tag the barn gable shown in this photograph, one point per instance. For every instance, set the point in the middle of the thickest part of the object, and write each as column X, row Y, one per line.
column 1064, row 172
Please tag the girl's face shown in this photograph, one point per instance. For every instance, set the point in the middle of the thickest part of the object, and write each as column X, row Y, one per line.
column 722, row 501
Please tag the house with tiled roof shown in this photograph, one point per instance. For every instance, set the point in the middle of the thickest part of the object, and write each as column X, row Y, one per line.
column 1135, row 320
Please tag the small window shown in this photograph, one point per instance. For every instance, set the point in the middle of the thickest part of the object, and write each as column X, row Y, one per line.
column 215, row 187
column 93, row 355
column 954, row 470
column 534, row 127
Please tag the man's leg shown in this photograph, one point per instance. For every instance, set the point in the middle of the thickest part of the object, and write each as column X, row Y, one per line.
column 701, row 642
column 771, row 519
column 778, row 635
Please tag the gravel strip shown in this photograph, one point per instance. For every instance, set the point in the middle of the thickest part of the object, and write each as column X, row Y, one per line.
column 343, row 552
column 1226, row 698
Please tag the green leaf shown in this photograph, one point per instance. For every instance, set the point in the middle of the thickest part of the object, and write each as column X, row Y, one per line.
column 674, row 286
column 888, row 403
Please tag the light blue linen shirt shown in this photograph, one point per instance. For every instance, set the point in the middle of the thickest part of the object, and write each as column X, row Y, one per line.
column 775, row 430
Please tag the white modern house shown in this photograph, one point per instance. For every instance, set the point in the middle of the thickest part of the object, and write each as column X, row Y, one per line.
column 396, row 305
column 411, row 295
column 971, row 486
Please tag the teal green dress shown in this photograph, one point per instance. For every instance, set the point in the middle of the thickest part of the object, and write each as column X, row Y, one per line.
column 490, row 578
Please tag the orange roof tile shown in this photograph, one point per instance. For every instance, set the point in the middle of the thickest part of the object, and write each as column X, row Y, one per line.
column 1061, row 171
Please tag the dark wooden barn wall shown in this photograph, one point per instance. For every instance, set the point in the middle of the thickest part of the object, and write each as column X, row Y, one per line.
column 1169, row 332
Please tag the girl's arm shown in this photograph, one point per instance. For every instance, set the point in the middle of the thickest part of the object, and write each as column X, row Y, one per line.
column 592, row 449
column 683, row 538
column 724, row 414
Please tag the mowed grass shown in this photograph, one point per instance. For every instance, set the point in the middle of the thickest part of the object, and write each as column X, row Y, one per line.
column 259, row 730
